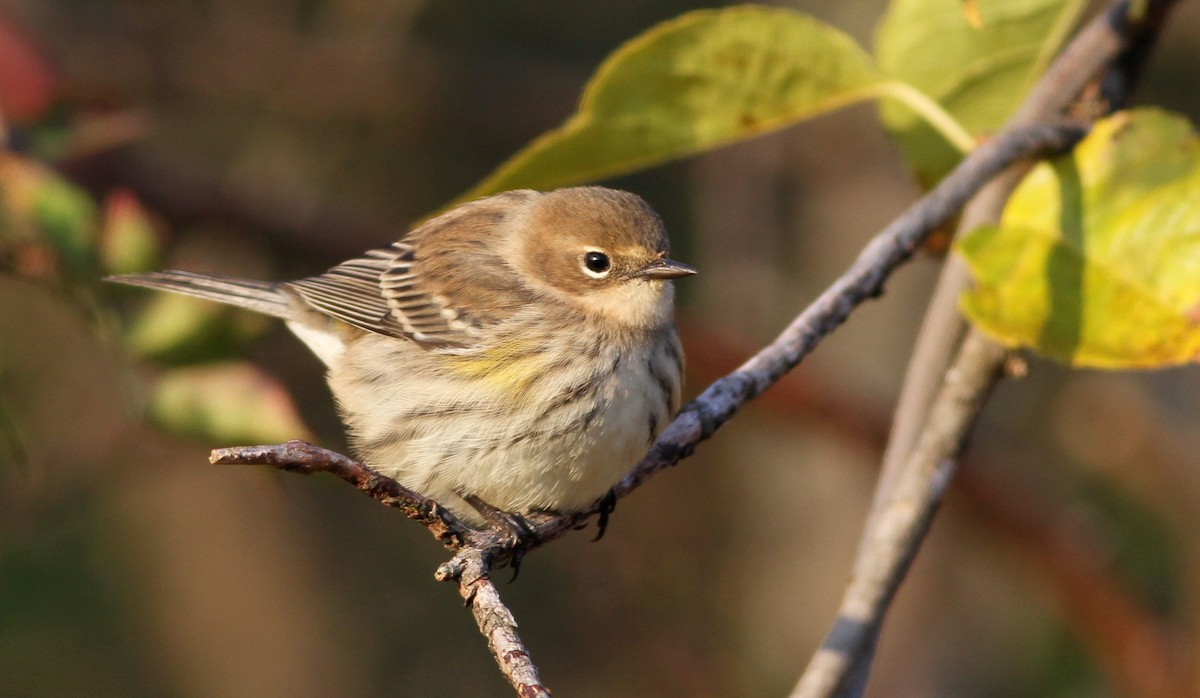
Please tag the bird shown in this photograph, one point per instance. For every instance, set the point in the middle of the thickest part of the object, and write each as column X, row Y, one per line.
column 515, row 354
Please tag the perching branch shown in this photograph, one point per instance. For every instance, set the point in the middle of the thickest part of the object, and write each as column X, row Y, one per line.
column 497, row 625
column 306, row 459
column 479, row 552
column 1113, row 48
column 496, row 622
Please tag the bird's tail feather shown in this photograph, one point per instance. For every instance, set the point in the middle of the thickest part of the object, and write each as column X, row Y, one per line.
column 259, row 296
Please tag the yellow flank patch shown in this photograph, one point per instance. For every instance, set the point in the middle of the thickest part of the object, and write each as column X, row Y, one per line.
column 510, row 366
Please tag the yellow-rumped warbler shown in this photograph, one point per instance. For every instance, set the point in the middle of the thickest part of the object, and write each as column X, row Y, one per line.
column 520, row 349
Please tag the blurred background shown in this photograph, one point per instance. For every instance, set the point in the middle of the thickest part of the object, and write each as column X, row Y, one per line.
column 274, row 138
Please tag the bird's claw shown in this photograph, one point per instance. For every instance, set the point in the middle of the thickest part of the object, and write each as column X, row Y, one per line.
column 607, row 505
column 512, row 526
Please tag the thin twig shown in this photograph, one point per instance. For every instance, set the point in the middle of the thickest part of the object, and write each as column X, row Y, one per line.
column 895, row 538
column 496, row 622
column 842, row 665
column 305, row 458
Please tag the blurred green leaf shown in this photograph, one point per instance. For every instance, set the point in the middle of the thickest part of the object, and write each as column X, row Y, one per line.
column 41, row 208
column 977, row 61
column 233, row 403
column 702, row 80
column 177, row 328
column 1143, row 548
column 67, row 216
column 128, row 241
column 1097, row 259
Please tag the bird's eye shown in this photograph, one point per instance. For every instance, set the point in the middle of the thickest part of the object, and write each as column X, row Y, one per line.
column 596, row 264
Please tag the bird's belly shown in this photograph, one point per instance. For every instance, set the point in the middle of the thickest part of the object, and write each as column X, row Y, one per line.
column 553, row 448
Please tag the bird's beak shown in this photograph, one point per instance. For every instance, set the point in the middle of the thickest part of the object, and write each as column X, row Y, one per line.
column 666, row 269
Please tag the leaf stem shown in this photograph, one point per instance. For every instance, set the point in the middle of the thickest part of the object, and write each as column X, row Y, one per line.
column 932, row 112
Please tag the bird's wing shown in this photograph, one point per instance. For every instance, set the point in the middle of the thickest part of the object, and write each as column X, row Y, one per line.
column 380, row 292
column 439, row 286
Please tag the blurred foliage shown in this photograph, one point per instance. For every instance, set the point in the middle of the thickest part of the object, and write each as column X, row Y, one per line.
column 226, row 403
column 177, row 329
column 1097, row 259
column 55, row 606
column 54, row 231
column 129, row 240
column 1140, row 545
column 45, row 217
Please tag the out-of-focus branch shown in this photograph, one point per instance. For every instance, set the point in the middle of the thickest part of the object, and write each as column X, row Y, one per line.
column 842, row 665
column 916, row 493
column 1139, row 652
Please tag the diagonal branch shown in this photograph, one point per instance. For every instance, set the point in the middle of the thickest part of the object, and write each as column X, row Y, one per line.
column 472, row 564
column 896, row 244
column 891, row 544
column 478, row 552
column 306, row 459
column 864, row 279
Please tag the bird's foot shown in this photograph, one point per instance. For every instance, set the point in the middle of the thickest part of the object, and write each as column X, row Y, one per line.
column 511, row 525
column 607, row 505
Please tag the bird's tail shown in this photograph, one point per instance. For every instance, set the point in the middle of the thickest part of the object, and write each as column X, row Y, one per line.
column 259, row 296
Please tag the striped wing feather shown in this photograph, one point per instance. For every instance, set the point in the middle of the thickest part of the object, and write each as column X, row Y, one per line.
column 438, row 286
column 380, row 292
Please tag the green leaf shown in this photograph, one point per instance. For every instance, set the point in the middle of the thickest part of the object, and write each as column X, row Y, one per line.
column 701, row 80
column 230, row 403
column 977, row 66
column 67, row 217
column 38, row 207
column 1097, row 259
column 128, row 240
column 177, row 328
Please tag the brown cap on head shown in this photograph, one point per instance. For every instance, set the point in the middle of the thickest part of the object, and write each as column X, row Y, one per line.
column 598, row 215
column 583, row 239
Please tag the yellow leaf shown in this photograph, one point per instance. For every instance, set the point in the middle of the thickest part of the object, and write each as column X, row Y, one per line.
column 1097, row 259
